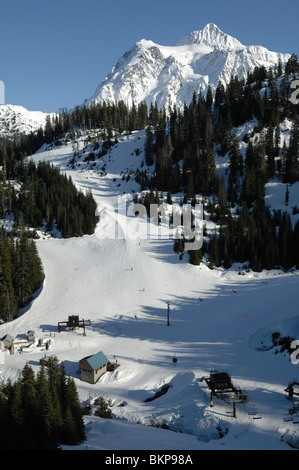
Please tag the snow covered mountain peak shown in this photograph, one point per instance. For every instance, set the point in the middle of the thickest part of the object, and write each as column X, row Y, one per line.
column 168, row 75
column 16, row 119
column 213, row 37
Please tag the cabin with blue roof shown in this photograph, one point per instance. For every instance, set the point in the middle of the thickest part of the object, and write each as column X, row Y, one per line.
column 93, row 367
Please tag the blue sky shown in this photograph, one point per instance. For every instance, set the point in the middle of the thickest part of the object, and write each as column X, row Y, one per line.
column 54, row 54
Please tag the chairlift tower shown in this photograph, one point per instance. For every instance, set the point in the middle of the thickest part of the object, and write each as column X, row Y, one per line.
column 221, row 386
column 168, row 308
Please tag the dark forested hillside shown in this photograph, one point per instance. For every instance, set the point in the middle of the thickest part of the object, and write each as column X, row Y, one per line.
column 182, row 150
column 47, row 196
column 20, row 274
column 40, row 411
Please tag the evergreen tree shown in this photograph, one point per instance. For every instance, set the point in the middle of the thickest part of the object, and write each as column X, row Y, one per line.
column 292, row 65
column 291, row 159
column 31, row 408
column 195, row 257
column 149, row 147
column 285, row 242
column 8, row 305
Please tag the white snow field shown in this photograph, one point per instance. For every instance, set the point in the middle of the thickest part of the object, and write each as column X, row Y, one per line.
column 219, row 319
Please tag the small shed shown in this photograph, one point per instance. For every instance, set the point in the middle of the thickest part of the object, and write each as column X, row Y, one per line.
column 93, row 367
column 7, row 342
column 31, row 335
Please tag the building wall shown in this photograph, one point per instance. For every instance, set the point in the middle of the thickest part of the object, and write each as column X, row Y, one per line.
column 100, row 372
column 6, row 344
column 89, row 375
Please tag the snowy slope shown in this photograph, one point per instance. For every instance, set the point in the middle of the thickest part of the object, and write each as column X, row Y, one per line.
column 18, row 120
column 218, row 320
column 168, row 75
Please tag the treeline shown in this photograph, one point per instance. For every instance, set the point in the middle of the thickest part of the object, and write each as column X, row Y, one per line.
column 40, row 411
column 21, row 273
column 111, row 119
column 259, row 238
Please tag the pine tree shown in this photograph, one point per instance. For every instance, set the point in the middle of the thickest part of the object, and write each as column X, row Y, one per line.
column 291, row 159
column 76, row 410
column 45, row 406
column 8, row 305
column 285, row 241
column 235, row 158
column 270, row 151
column 54, row 387
column 48, row 130
column 149, row 147
column 222, row 196
column 195, row 257
column 292, row 65
column 295, row 251
column 208, row 166
column 30, row 409
column 17, row 425
column 4, row 162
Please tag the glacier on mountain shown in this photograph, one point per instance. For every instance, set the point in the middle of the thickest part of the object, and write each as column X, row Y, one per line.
column 168, row 75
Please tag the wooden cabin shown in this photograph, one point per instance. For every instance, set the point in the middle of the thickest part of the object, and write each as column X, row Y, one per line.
column 93, row 367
